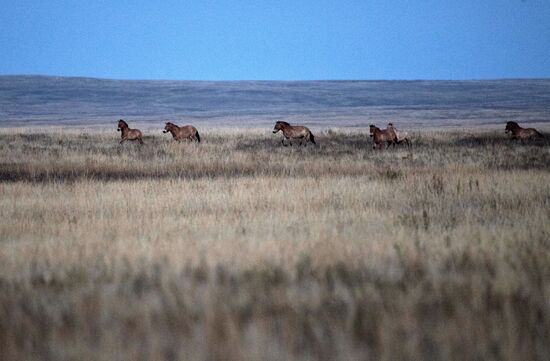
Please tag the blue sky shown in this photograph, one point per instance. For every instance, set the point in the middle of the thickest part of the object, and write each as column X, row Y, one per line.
column 278, row 40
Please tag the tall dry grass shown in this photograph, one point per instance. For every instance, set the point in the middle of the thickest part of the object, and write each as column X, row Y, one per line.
column 240, row 249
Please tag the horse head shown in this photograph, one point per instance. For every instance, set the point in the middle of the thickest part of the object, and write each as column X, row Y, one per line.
column 280, row 125
column 121, row 125
column 168, row 127
column 510, row 126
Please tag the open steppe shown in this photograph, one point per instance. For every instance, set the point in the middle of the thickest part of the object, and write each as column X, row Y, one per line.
column 98, row 103
column 241, row 249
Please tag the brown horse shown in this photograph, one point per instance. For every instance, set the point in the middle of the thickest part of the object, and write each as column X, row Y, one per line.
column 127, row 133
column 402, row 137
column 521, row 133
column 380, row 136
column 294, row 132
column 184, row 132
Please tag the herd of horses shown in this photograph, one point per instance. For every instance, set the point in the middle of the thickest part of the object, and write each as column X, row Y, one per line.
column 389, row 136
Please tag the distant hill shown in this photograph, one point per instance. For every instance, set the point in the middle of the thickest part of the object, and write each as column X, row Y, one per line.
column 41, row 100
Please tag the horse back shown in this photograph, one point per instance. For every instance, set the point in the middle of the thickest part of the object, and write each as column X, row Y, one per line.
column 384, row 135
column 528, row 133
column 186, row 131
column 183, row 132
column 136, row 133
column 298, row 130
column 132, row 134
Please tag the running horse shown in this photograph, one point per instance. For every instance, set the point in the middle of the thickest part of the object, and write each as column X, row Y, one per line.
column 294, row 132
column 380, row 136
column 184, row 132
column 127, row 133
column 521, row 133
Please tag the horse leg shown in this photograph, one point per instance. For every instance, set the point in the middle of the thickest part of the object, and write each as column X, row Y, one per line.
column 122, row 140
column 140, row 140
column 283, row 142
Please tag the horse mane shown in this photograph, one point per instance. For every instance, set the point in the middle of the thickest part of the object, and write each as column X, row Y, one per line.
column 283, row 123
column 123, row 122
column 513, row 124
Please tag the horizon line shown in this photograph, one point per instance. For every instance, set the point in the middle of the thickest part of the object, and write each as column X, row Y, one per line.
column 270, row 80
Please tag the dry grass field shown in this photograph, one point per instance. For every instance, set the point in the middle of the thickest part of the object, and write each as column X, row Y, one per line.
column 240, row 249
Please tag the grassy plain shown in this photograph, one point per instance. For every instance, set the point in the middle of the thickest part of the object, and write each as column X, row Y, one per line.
column 240, row 249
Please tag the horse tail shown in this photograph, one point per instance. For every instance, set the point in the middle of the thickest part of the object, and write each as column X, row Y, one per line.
column 198, row 136
column 312, row 137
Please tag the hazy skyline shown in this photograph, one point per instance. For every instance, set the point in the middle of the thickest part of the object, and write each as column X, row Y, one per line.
column 277, row 40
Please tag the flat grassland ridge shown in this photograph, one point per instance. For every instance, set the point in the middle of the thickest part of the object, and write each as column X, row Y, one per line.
column 62, row 101
column 241, row 249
